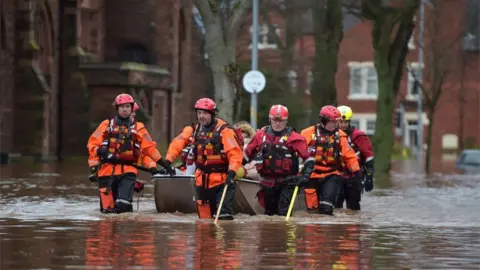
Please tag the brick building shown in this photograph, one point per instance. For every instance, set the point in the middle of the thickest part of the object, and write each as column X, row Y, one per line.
column 63, row 62
column 457, row 33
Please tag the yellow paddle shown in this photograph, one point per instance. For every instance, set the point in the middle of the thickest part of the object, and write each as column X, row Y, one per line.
column 221, row 203
column 292, row 202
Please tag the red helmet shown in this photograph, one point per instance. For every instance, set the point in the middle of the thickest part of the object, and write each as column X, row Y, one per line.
column 135, row 107
column 330, row 113
column 123, row 99
column 278, row 112
column 206, row 104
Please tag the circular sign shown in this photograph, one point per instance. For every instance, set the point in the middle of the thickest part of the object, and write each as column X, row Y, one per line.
column 254, row 81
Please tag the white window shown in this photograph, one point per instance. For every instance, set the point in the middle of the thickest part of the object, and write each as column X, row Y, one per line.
column 355, row 123
column 363, row 81
column 370, row 127
column 413, row 75
column 364, row 122
column 266, row 39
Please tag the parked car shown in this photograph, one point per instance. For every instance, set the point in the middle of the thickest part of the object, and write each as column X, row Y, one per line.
column 469, row 161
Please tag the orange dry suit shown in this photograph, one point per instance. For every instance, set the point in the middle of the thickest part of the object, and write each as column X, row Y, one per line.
column 329, row 149
column 147, row 162
column 126, row 144
column 214, row 153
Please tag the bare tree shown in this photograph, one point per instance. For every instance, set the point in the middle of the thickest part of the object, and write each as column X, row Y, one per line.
column 221, row 21
column 392, row 28
column 444, row 64
column 471, row 43
column 327, row 18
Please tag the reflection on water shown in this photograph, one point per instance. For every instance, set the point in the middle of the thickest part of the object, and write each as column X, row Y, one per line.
column 49, row 219
column 122, row 244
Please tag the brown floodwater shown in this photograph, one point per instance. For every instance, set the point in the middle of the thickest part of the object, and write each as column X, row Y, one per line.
column 49, row 219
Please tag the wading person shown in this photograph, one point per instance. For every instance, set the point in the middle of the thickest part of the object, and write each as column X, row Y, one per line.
column 276, row 150
column 115, row 149
column 351, row 189
column 217, row 156
column 330, row 148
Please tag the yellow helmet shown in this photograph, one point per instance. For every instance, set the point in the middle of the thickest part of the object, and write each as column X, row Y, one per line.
column 347, row 113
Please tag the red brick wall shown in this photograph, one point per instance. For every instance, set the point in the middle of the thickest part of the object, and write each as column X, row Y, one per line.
column 357, row 47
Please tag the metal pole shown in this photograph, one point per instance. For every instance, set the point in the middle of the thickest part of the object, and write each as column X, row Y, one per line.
column 253, row 96
column 419, row 91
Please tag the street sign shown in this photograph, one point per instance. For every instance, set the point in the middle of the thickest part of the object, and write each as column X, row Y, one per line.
column 254, row 81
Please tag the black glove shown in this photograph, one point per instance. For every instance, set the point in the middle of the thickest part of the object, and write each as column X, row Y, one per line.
column 231, row 174
column 106, row 156
column 102, row 153
column 368, row 184
column 93, row 174
column 300, row 180
column 167, row 166
column 154, row 171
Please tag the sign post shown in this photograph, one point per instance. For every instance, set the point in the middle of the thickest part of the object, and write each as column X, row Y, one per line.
column 254, row 82
column 253, row 95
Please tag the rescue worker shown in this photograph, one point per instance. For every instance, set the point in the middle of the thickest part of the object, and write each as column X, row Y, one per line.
column 115, row 149
column 217, row 156
column 276, row 149
column 351, row 189
column 330, row 148
column 146, row 161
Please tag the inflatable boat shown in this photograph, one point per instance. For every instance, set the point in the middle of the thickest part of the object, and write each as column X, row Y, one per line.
column 177, row 194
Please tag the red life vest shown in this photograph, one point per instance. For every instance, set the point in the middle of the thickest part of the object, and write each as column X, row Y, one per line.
column 352, row 133
column 123, row 141
column 325, row 148
column 275, row 158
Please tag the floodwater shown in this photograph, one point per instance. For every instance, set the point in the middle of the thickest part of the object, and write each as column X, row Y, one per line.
column 49, row 219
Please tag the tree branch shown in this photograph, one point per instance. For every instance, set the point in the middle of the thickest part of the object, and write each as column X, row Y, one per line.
column 353, row 7
column 205, row 10
column 400, row 42
column 372, row 9
column 238, row 15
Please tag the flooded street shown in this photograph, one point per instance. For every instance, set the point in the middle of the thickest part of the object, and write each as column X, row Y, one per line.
column 49, row 219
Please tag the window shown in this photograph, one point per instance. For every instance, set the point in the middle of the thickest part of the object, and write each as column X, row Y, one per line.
column 411, row 133
column 135, row 53
column 355, row 123
column 413, row 75
column 266, row 38
column 370, row 130
column 363, row 81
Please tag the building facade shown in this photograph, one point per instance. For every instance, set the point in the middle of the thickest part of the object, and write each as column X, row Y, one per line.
column 451, row 58
column 63, row 62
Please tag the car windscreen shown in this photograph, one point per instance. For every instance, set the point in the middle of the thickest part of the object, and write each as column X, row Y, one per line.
column 471, row 158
